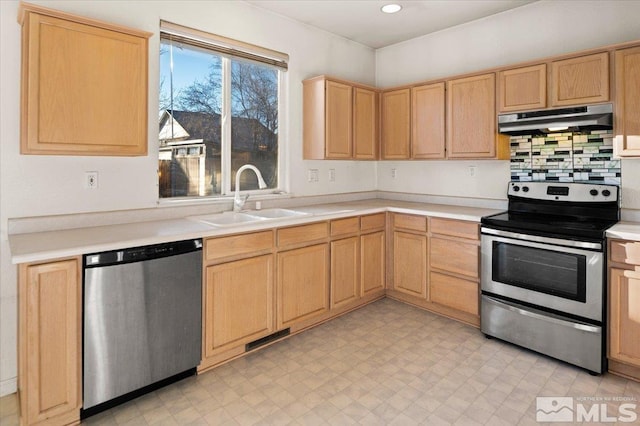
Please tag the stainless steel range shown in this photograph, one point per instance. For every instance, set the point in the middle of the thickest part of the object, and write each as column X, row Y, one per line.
column 543, row 269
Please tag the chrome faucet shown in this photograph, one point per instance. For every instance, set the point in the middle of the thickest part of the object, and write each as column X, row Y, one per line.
column 238, row 201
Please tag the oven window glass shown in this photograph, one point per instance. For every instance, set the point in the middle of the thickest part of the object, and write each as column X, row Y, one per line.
column 545, row 271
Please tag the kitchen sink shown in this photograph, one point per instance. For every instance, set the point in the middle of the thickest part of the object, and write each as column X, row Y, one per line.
column 227, row 219
column 276, row 213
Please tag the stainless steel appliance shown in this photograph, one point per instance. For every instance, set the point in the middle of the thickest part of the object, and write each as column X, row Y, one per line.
column 581, row 117
column 142, row 320
column 543, row 269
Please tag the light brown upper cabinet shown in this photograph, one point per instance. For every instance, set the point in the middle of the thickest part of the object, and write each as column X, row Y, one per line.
column 579, row 81
column 627, row 63
column 339, row 120
column 365, row 124
column 522, row 88
column 471, row 118
column 396, row 124
column 427, row 121
column 84, row 85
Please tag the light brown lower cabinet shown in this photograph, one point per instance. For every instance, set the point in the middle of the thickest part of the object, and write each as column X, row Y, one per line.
column 454, row 292
column 454, row 268
column 345, row 269
column 302, row 284
column 624, row 308
column 238, row 303
column 410, row 263
column 49, row 349
column 372, row 262
column 624, row 321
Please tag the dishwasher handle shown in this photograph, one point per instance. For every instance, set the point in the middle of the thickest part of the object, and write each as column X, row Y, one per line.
column 139, row 254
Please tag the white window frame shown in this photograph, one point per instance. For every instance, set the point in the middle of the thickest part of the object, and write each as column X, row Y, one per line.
column 220, row 42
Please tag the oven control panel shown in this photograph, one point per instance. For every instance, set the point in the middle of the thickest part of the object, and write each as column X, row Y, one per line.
column 560, row 191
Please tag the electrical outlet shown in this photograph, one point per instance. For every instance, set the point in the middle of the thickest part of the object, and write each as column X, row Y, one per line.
column 91, row 180
column 394, row 173
column 472, row 171
column 313, row 175
column 332, row 175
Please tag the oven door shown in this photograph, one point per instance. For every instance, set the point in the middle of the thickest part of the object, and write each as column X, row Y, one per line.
column 562, row 275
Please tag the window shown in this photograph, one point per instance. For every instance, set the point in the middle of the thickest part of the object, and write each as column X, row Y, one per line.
column 219, row 102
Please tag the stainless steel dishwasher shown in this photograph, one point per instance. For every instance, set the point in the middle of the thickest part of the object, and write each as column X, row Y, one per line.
column 142, row 320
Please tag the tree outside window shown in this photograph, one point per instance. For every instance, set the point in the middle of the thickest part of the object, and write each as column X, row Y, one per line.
column 194, row 146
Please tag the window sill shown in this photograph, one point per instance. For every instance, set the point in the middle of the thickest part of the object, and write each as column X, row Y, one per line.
column 224, row 199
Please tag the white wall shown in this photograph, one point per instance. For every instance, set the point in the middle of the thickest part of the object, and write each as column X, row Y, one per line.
column 537, row 30
column 51, row 185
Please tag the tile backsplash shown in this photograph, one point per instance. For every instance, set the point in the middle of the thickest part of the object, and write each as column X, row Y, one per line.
column 565, row 157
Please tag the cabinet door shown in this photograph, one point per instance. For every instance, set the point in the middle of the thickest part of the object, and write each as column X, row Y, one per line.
column 372, row 261
column 50, row 342
column 365, row 124
column 396, row 124
column 427, row 121
column 471, row 117
column 84, row 89
column 627, row 140
column 624, row 316
column 238, row 303
column 454, row 292
column 410, row 263
column 522, row 88
column 458, row 257
column 338, row 110
column 303, row 284
column 345, row 266
column 580, row 81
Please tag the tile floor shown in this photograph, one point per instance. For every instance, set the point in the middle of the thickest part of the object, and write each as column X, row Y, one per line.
column 385, row 364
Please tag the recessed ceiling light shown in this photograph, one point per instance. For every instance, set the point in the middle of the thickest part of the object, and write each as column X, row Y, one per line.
column 391, row 8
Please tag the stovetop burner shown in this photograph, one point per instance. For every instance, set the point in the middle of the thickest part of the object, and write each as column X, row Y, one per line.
column 565, row 210
column 556, row 226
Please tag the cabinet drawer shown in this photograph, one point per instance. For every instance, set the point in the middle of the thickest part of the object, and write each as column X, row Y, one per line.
column 218, row 248
column 414, row 223
column 458, row 257
column 454, row 292
column 372, row 222
column 625, row 252
column 348, row 225
column 301, row 234
column 455, row 228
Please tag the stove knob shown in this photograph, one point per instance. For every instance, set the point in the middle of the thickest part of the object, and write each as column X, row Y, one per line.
column 525, row 188
column 516, row 188
column 606, row 192
column 594, row 192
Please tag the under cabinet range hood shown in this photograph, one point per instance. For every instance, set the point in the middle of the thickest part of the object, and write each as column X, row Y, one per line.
column 550, row 120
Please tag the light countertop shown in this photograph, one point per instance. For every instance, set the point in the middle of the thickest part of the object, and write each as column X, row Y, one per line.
column 41, row 246
column 625, row 231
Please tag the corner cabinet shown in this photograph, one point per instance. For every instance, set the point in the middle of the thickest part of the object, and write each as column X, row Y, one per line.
column 471, row 119
column 627, row 130
column 50, row 342
column 84, row 85
column 624, row 302
column 339, row 120
column 395, row 124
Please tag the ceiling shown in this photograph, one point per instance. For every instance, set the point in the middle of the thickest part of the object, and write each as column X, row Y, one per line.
column 363, row 22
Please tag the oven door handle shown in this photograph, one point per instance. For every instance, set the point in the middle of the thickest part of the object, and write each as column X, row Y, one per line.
column 544, row 240
column 547, row 318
